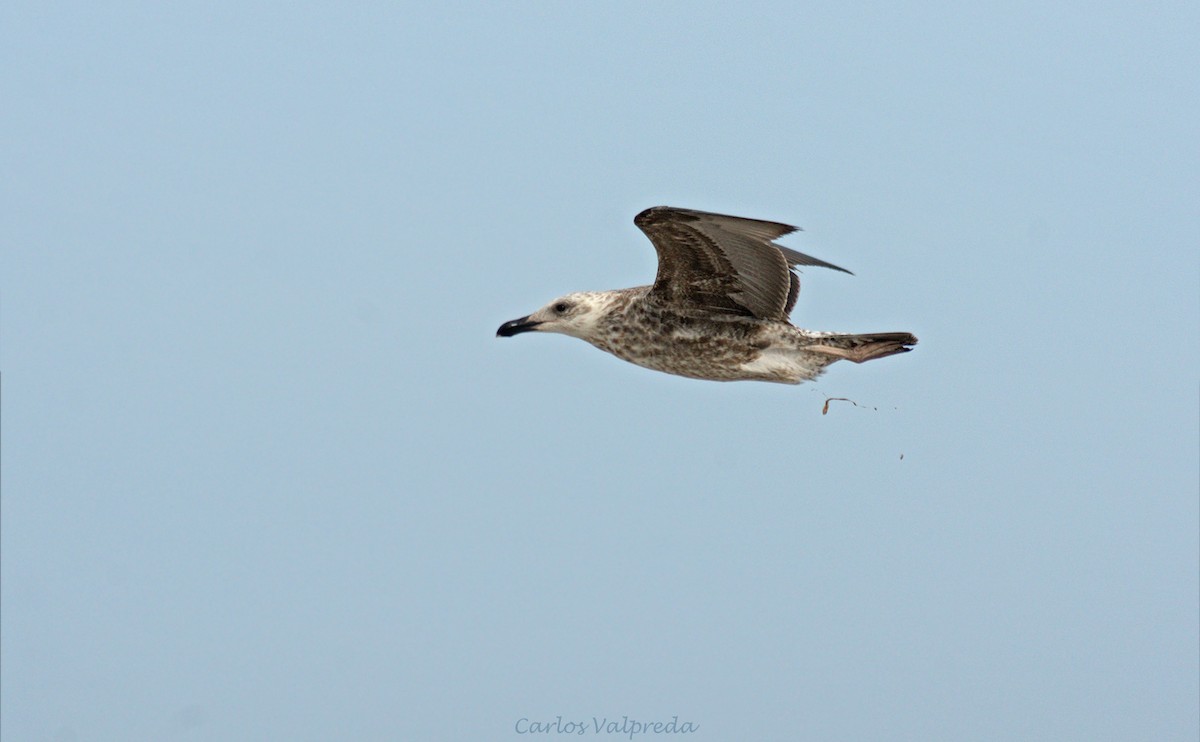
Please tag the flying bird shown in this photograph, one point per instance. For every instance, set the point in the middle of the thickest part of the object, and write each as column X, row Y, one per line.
column 718, row 308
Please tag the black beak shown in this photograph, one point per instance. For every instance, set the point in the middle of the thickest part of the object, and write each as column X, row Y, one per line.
column 516, row 327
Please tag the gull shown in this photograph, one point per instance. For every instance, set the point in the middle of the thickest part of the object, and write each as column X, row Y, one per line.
column 718, row 308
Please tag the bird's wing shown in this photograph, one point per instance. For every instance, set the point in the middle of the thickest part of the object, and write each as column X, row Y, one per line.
column 723, row 263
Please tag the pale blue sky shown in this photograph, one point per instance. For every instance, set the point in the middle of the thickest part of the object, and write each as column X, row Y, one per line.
column 267, row 474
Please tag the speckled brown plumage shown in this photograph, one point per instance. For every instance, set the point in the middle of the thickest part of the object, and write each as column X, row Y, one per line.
column 718, row 308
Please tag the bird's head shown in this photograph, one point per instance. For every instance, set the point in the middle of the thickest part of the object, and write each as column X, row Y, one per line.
column 574, row 314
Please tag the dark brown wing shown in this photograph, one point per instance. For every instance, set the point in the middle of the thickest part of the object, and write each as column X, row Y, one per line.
column 723, row 263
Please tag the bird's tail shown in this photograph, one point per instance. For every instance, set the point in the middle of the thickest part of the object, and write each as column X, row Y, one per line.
column 860, row 348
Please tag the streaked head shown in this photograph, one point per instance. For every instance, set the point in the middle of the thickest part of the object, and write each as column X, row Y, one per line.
column 574, row 314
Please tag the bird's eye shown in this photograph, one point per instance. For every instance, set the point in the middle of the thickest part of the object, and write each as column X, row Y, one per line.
column 561, row 307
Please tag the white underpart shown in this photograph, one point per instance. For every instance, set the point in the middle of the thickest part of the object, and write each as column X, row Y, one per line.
column 788, row 362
